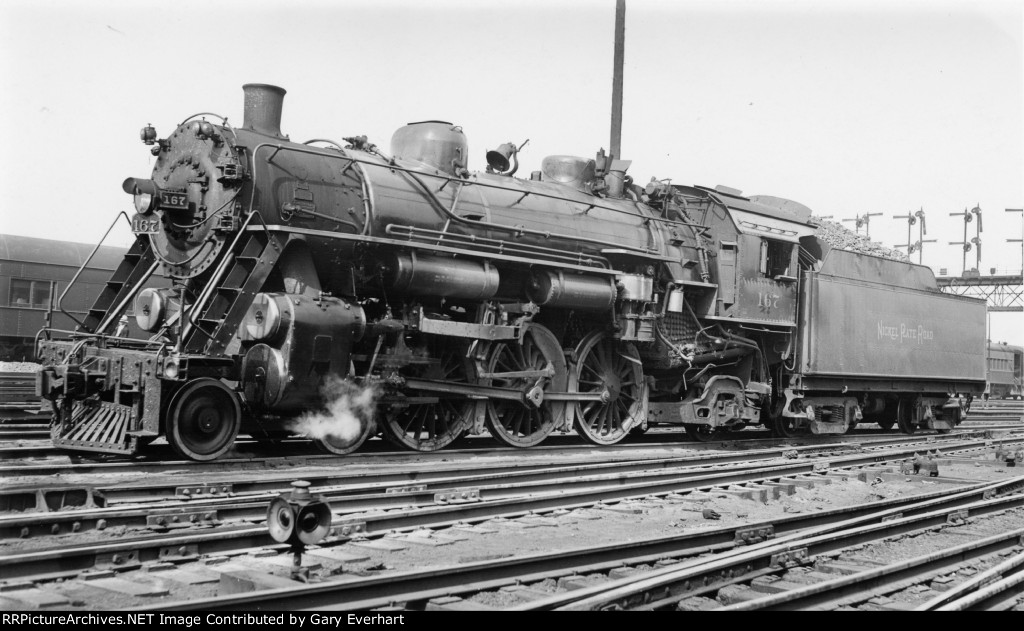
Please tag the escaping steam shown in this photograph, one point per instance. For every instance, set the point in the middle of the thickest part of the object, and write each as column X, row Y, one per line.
column 348, row 408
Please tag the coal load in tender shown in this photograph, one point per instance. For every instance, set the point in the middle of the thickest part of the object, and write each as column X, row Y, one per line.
column 840, row 237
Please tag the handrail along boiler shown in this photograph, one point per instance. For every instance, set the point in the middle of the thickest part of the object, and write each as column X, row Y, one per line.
column 306, row 273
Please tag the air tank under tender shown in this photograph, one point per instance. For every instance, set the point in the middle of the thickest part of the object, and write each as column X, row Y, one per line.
column 437, row 144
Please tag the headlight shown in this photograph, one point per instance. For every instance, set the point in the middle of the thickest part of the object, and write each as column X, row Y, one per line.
column 144, row 203
column 145, row 192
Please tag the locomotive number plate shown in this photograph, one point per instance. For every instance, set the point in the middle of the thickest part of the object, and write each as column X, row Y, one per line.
column 145, row 225
column 173, row 200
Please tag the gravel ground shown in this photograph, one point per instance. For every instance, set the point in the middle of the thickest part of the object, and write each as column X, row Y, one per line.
column 609, row 524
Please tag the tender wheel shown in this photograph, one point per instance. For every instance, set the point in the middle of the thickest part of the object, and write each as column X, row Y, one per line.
column 616, row 374
column 523, row 423
column 203, row 419
column 434, row 424
column 905, row 416
column 886, row 425
column 701, row 433
column 780, row 426
column 785, row 427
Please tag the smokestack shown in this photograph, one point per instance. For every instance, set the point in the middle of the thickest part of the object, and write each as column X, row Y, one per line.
column 263, row 105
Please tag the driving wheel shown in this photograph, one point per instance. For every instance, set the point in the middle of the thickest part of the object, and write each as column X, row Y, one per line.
column 615, row 372
column 347, row 441
column 526, row 422
column 433, row 420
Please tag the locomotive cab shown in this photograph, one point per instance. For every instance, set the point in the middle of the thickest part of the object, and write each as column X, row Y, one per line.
column 757, row 263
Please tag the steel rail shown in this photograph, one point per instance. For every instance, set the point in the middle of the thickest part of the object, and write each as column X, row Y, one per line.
column 366, row 481
column 24, row 432
column 862, row 586
column 552, row 444
column 996, row 596
column 959, row 597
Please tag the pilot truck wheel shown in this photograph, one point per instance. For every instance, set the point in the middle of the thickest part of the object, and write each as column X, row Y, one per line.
column 203, row 419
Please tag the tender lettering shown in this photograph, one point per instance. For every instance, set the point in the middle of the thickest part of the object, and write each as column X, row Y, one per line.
column 904, row 333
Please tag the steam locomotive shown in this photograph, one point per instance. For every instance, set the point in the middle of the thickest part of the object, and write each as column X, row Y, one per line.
column 415, row 298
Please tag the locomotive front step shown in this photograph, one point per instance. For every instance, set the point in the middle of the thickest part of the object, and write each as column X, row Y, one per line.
column 95, row 426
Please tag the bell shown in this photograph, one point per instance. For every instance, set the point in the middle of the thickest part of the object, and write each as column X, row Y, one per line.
column 498, row 159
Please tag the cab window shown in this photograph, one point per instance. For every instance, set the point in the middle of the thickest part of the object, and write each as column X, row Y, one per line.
column 776, row 257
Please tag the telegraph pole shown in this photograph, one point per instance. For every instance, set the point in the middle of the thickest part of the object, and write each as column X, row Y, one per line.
column 620, row 55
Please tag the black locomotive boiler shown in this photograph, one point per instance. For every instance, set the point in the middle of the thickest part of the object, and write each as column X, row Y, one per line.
column 326, row 273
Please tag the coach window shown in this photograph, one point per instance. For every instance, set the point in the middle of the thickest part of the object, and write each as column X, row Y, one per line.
column 30, row 293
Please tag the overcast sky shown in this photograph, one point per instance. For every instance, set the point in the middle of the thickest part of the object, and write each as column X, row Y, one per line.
column 847, row 107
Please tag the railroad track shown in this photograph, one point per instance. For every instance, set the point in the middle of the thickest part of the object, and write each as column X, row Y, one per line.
column 871, row 582
column 127, row 552
column 993, row 418
column 997, row 588
column 25, row 422
column 17, row 387
column 762, row 577
column 673, row 563
column 299, row 452
column 44, row 510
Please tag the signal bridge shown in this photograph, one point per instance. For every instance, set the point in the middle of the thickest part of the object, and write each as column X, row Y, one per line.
column 1003, row 291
